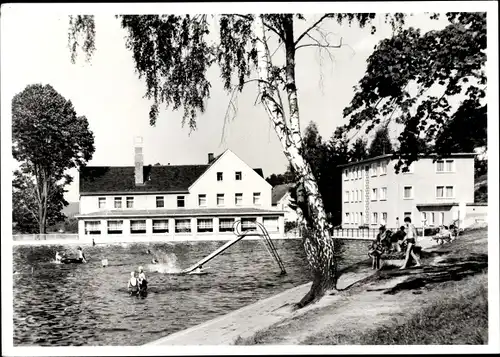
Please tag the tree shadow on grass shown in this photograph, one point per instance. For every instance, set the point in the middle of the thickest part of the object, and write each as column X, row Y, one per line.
column 450, row 269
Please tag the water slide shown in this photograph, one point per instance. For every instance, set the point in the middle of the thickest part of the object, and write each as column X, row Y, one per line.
column 239, row 236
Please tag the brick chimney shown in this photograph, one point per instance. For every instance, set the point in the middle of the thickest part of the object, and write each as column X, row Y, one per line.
column 210, row 157
column 139, row 161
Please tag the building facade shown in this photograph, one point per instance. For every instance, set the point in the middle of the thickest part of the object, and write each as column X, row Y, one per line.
column 431, row 193
column 175, row 202
column 281, row 201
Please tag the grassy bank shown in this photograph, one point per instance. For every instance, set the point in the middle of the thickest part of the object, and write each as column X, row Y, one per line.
column 446, row 302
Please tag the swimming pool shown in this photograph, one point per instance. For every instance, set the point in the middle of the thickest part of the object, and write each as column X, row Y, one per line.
column 87, row 304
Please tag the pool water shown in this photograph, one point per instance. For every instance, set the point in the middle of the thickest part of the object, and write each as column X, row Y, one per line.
column 87, row 304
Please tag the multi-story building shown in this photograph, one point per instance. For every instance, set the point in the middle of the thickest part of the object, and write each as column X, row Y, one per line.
column 431, row 193
column 174, row 201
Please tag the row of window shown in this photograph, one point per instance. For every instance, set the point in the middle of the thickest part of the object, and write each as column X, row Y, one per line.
column 375, row 169
column 183, row 225
column 432, row 218
column 380, row 168
column 357, row 195
column 238, row 176
column 357, row 218
column 181, row 201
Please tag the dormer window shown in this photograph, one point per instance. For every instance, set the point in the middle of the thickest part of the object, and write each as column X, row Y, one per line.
column 219, row 176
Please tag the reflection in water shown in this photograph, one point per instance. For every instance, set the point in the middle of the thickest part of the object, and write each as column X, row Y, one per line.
column 88, row 304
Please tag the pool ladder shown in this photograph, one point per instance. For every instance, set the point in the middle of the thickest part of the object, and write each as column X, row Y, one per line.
column 270, row 247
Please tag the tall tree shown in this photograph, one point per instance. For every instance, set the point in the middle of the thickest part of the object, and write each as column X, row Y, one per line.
column 359, row 150
column 48, row 139
column 381, row 143
column 412, row 78
column 173, row 54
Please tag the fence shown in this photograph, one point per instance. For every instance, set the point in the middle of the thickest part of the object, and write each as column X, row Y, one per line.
column 50, row 236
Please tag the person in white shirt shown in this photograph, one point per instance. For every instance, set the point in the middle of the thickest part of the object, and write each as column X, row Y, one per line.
column 411, row 240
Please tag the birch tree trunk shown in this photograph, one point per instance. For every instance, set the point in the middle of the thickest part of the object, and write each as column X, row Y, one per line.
column 318, row 244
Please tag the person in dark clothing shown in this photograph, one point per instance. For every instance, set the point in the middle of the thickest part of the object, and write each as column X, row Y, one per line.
column 397, row 238
column 375, row 252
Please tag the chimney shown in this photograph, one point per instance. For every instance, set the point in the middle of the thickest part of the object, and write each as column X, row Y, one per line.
column 139, row 161
column 210, row 157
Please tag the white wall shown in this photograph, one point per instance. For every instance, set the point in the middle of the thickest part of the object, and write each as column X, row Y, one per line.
column 228, row 164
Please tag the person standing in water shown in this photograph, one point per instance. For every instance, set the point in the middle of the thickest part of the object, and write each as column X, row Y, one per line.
column 143, row 282
column 58, row 258
column 133, row 284
column 80, row 255
column 411, row 239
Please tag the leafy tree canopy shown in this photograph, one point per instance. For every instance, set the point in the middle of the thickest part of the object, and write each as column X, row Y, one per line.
column 449, row 62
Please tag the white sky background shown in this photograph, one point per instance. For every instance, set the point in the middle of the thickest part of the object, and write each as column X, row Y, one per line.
column 109, row 93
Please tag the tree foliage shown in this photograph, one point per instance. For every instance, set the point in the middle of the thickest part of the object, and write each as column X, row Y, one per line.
column 381, row 143
column 48, row 139
column 449, row 62
column 359, row 150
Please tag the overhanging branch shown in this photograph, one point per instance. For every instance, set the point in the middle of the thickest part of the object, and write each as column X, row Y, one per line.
column 311, row 28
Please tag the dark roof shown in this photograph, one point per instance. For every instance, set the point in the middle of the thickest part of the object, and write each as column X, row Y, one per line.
column 279, row 191
column 456, row 155
column 169, row 178
column 183, row 212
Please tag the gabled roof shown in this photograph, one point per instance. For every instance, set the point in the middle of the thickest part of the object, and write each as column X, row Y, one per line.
column 121, row 179
column 279, row 191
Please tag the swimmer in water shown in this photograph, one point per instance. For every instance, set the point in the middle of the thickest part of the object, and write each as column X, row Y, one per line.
column 58, row 258
column 143, row 282
column 133, row 285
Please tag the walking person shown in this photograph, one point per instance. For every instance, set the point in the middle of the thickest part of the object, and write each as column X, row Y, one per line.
column 411, row 240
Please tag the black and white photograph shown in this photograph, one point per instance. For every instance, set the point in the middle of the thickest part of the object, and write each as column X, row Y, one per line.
column 249, row 178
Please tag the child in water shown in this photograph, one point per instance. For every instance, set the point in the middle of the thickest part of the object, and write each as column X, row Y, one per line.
column 58, row 258
column 143, row 283
column 133, row 284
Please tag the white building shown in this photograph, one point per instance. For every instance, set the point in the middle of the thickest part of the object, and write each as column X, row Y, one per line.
column 174, row 202
column 281, row 201
column 432, row 192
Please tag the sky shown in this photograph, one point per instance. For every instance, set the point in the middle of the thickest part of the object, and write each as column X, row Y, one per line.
column 108, row 92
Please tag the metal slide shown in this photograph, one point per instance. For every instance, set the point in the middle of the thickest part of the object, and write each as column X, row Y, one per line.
column 239, row 236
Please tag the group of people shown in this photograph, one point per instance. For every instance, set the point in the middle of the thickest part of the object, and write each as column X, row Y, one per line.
column 137, row 284
column 80, row 257
column 405, row 239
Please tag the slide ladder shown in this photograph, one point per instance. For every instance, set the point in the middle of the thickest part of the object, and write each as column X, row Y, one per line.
column 267, row 241
column 239, row 236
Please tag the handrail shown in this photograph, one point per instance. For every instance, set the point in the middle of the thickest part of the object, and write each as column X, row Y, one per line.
column 267, row 240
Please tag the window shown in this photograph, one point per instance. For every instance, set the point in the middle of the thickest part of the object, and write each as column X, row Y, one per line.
column 115, row 227
column 384, row 218
column 256, row 198
column 93, row 227
column 356, row 218
column 102, row 202
column 441, row 218
column 373, row 170
column 219, row 176
column 270, row 224
column 352, row 196
column 346, row 175
column 449, row 192
column 431, row 218
column 357, row 195
column 361, row 218
column 202, row 200
column 130, row 202
column 160, row 225
column 347, row 218
column 138, row 226
column 237, row 175
column 408, row 192
column 374, row 217
column 183, row 225
column 118, row 202
column 248, row 224
column 238, row 199
column 346, row 196
column 424, row 217
column 374, row 194
column 220, row 199
column 444, row 166
column 160, row 202
column 180, row 201
column 226, row 224
column 205, row 225
column 383, row 193
column 352, row 174
column 383, row 168
column 440, row 192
